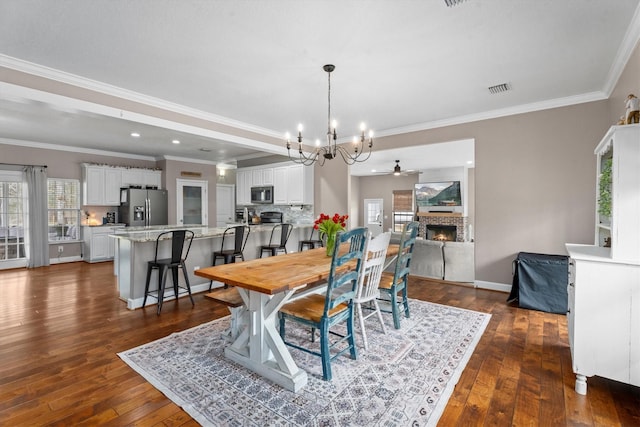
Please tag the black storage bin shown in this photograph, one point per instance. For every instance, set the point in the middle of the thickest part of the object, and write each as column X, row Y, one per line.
column 540, row 282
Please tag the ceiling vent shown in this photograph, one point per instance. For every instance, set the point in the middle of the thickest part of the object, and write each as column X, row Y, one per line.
column 451, row 3
column 503, row 87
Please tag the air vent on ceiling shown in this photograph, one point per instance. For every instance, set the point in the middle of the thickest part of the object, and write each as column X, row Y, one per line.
column 450, row 3
column 502, row 87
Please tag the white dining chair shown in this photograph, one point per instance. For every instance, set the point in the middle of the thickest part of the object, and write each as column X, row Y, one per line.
column 368, row 292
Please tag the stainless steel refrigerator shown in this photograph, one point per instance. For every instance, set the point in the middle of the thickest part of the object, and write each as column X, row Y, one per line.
column 142, row 207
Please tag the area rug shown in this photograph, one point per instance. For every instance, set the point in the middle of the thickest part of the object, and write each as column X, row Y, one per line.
column 404, row 379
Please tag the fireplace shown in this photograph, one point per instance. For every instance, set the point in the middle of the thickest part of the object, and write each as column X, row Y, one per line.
column 449, row 226
column 441, row 232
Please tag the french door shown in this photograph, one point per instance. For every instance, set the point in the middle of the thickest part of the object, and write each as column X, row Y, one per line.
column 13, row 205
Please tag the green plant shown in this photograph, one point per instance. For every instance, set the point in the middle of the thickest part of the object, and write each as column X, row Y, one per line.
column 604, row 188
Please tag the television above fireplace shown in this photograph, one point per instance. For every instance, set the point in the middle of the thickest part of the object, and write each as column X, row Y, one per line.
column 441, row 194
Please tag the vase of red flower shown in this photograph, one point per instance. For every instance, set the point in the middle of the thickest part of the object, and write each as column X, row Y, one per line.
column 329, row 227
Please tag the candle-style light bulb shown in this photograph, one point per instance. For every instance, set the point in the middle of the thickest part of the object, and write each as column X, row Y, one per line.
column 300, row 127
column 334, row 125
column 317, row 143
column 363, row 127
column 287, row 136
column 355, row 140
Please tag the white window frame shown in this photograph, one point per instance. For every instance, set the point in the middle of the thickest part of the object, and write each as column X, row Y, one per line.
column 70, row 232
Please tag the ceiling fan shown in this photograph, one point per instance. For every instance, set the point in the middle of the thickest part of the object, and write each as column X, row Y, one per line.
column 397, row 171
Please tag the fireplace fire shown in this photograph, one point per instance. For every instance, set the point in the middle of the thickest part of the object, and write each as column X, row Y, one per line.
column 442, row 232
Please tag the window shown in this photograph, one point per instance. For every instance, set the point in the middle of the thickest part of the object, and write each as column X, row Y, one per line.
column 64, row 209
column 12, row 218
column 403, row 209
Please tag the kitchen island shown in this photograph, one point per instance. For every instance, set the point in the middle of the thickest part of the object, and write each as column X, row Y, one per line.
column 135, row 247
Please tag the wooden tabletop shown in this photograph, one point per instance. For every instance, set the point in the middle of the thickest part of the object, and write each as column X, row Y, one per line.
column 276, row 274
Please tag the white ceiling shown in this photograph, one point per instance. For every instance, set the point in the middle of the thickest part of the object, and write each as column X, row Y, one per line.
column 401, row 65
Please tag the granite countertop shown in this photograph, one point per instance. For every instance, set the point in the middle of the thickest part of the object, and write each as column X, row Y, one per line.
column 150, row 234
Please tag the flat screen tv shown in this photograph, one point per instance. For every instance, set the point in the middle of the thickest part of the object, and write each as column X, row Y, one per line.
column 443, row 193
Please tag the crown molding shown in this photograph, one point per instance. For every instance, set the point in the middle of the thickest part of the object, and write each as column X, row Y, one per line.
column 494, row 114
column 107, row 89
column 629, row 42
column 57, row 147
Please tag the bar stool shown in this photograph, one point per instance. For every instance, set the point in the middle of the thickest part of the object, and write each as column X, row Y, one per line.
column 311, row 243
column 240, row 234
column 180, row 245
column 273, row 248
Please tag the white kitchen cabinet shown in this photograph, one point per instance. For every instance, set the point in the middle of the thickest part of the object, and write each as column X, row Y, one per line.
column 604, row 287
column 93, row 185
column 131, row 177
column 300, row 185
column 151, row 178
column 280, row 185
column 243, row 187
column 267, row 176
column 292, row 184
column 261, row 176
column 101, row 183
column 97, row 245
column 112, row 183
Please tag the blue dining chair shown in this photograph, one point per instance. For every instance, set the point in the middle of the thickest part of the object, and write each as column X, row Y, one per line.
column 335, row 307
column 392, row 284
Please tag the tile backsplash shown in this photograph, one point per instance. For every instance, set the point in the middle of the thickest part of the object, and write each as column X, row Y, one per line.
column 293, row 214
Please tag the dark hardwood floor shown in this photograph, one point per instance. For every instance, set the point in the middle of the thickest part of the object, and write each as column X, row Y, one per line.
column 61, row 327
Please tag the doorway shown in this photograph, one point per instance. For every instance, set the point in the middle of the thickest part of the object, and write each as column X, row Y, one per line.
column 225, row 204
column 373, row 215
column 192, row 201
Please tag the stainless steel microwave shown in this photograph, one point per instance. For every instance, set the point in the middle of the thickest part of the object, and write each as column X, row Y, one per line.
column 262, row 195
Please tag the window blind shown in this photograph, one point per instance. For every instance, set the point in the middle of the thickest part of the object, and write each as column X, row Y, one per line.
column 403, row 201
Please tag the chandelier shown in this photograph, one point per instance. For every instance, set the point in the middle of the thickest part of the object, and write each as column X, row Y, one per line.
column 332, row 149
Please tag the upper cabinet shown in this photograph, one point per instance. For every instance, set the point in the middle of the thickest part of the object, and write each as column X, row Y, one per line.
column 618, row 193
column 292, row 184
column 243, row 186
column 101, row 183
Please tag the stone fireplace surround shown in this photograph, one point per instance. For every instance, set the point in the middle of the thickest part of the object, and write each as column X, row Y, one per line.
column 443, row 218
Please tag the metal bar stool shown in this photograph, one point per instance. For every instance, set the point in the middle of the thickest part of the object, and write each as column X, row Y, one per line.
column 228, row 256
column 180, row 246
column 311, row 242
column 273, row 248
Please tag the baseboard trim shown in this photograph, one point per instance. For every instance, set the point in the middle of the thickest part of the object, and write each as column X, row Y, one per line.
column 492, row 286
column 62, row 260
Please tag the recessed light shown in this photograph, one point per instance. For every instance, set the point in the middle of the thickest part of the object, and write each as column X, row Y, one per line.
column 135, row 134
column 175, row 141
column 206, row 150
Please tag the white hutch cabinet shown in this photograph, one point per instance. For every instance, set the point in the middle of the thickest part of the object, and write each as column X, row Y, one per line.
column 604, row 287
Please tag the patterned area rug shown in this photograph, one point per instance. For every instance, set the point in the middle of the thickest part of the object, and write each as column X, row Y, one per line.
column 404, row 379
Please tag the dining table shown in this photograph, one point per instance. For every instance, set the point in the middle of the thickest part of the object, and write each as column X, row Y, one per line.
column 265, row 285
